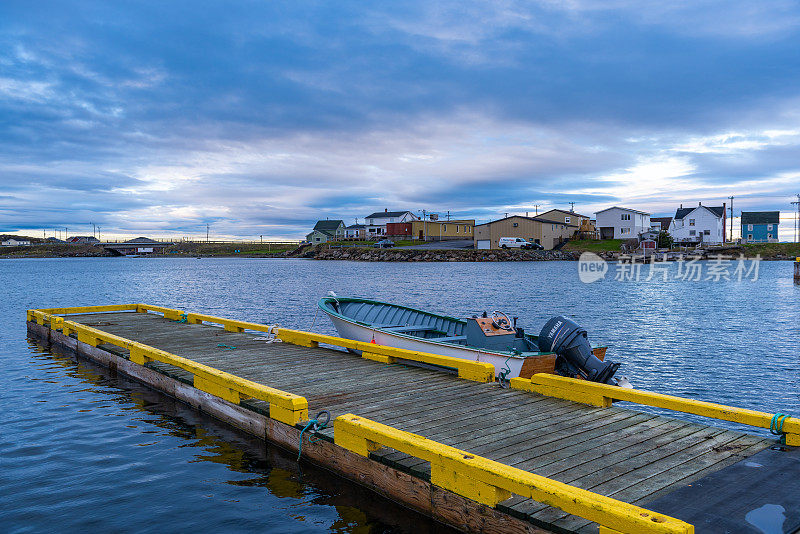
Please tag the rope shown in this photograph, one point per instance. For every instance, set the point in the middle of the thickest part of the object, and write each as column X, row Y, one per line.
column 315, row 425
column 501, row 378
column 776, row 426
column 223, row 345
column 183, row 318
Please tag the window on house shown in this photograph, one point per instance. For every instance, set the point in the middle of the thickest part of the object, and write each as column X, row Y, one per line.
column 624, row 231
column 769, row 236
column 691, row 222
column 516, row 224
column 566, row 219
column 456, row 228
column 749, row 227
column 707, row 232
column 769, row 227
column 465, row 229
column 692, row 232
column 444, row 228
column 626, row 216
column 749, row 237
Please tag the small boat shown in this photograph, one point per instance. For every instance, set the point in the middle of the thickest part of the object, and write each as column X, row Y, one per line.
column 494, row 338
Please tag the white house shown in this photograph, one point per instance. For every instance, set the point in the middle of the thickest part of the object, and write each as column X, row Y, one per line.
column 622, row 223
column 375, row 223
column 15, row 243
column 703, row 224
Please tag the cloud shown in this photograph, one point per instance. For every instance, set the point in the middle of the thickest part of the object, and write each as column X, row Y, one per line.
column 259, row 118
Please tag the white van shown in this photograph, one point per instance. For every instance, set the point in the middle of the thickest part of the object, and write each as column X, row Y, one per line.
column 516, row 242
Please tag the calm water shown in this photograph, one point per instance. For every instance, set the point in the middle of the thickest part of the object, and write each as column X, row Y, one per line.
column 82, row 449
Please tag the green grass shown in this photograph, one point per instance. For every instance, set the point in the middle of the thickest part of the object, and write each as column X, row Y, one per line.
column 771, row 249
column 592, row 245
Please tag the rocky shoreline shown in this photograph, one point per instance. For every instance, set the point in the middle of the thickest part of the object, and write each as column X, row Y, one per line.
column 382, row 254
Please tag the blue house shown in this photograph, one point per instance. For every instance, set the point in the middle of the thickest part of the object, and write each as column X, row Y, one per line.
column 760, row 226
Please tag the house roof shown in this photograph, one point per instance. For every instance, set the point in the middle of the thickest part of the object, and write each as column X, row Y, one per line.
column 384, row 214
column 665, row 221
column 328, row 225
column 356, row 226
column 566, row 212
column 761, row 217
column 624, row 209
column 680, row 213
column 537, row 219
column 141, row 240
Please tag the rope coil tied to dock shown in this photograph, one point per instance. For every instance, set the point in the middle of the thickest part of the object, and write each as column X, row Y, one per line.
column 776, row 426
column 315, row 425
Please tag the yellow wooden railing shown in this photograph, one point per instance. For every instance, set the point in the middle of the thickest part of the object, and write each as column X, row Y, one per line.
column 602, row 394
column 467, row 369
column 490, row 482
column 285, row 407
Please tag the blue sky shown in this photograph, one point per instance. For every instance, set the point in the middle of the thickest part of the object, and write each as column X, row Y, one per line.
column 157, row 118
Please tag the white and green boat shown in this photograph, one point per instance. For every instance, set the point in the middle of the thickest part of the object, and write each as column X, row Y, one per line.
column 492, row 338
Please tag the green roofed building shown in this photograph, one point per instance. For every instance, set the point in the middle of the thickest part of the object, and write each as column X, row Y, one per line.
column 327, row 230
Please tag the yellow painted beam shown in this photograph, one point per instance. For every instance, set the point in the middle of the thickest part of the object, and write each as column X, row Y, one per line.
column 467, row 369
column 602, row 395
column 89, row 309
column 285, row 407
column 169, row 313
column 490, row 482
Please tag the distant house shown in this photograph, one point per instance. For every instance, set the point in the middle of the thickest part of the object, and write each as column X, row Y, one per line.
column 139, row 245
column 432, row 230
column 83, row 240
column 622, row 223
column 760, row 226
column 327, row 230
column 660, row 224
column 15, row 243
column 702, row 224
column 52, row 240
column 586, row 226
column 375, row 223
column 355, row 231
column 549, row 234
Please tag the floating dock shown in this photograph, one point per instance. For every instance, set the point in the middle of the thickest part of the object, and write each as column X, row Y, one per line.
column 437, row 434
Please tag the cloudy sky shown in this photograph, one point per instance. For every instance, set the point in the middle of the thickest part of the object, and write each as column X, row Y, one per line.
column 157, row 118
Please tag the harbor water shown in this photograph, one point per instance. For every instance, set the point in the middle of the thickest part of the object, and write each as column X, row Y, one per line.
column 83, row 449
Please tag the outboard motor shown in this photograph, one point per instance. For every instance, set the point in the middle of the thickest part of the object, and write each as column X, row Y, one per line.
column 569, row 341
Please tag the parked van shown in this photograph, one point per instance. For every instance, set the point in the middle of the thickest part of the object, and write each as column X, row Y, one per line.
column 517, row 242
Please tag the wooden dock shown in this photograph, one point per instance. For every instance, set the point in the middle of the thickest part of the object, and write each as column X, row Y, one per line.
column 646, row 460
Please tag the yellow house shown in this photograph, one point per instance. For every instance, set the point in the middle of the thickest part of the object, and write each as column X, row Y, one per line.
column 535, row 229
column 442, row 230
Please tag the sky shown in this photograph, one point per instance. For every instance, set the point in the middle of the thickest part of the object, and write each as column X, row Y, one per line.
column 258, row 118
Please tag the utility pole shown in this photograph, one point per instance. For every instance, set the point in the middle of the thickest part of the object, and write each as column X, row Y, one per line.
column 448, row 215
column 207, row 230
column 98, row 233
column 797, row 220
column 572, row 207
column 262, row 239
column 66, row 231
column 731, row 199
column 536, row 207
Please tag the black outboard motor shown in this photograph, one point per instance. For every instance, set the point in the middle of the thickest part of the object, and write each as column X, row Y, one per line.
column 569, row 341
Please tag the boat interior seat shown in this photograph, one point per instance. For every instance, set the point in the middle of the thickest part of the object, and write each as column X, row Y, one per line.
column 411, row 328
column 449, row 338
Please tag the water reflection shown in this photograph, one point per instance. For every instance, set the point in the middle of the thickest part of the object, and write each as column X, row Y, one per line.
column 300, row 498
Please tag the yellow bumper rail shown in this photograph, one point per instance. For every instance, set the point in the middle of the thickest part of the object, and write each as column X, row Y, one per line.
column 490, row 482
column 602, row 394
column 284, row 407
column 468, row 369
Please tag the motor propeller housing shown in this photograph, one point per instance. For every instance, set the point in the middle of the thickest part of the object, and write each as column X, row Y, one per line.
column 569, row 340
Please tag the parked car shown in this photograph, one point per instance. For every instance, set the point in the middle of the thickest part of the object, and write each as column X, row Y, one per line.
column 518, row 242
column 384, row 243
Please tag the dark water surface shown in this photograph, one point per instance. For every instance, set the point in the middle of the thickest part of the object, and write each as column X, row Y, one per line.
column 82, row 450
